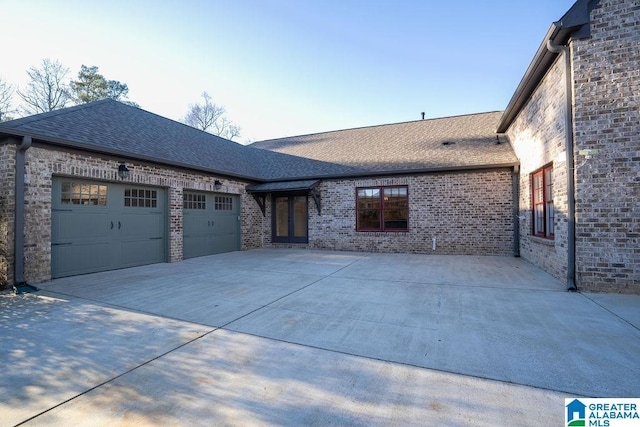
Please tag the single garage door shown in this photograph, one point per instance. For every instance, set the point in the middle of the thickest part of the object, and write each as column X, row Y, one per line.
column 211, row 224
column 99, row 226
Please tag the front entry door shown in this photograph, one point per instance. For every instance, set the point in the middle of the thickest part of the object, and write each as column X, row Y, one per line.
column 290, row 219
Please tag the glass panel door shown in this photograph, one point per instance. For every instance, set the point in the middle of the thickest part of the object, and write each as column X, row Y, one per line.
column 290, row 219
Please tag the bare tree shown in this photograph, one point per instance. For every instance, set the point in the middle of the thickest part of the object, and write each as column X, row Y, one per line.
column 211, row 118
column 6, row 93
column 47, row 90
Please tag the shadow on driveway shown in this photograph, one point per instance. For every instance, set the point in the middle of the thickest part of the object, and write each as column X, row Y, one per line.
column 313, row 337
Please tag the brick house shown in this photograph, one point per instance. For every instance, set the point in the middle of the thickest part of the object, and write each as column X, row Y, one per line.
column 573, row 123
column 106, row 185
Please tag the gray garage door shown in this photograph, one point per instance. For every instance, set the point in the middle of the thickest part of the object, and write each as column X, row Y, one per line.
column 211, row 224
column 97, row 226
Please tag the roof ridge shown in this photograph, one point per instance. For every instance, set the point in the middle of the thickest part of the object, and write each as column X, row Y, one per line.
column 378, row 126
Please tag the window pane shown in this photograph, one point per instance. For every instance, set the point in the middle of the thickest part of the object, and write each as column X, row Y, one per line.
column 548, row 184
column 396, row 212
column 542, row 198
column 83, row 194
column 539, row 219
column 550, row 219
column 369, row 220
column 368, row 205
column 142, row 198
column 300, row 216
column 282, row 216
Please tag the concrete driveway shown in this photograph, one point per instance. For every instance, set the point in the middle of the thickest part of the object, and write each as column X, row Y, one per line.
column 290, row 337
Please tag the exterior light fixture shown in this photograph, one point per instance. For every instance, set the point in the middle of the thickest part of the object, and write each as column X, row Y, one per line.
column 217, row 184
column 123, row 171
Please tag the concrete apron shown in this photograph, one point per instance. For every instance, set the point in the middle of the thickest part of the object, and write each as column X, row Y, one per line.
column 311, row 337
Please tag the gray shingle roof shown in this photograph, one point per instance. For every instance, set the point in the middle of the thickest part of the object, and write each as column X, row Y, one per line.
column 446, row 143
column 109, row 126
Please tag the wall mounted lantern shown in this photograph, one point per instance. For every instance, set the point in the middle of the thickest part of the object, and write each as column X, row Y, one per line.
column 217, row 184
column 123, row 171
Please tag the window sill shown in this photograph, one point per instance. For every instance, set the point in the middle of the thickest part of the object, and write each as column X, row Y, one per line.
column 543, row 241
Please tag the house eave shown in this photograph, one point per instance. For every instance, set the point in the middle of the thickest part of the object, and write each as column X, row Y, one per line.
column 59, row 142
column 574, row 24
column 398, row 172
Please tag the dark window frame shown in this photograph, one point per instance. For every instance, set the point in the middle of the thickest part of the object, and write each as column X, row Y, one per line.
column 382, row 228
column 542, row 207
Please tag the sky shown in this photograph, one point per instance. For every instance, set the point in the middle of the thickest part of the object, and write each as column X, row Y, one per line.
column 289, row 67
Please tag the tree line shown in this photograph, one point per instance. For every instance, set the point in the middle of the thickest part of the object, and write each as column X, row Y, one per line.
column 49, row 88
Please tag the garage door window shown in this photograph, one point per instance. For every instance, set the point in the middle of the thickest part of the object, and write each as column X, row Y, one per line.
column 74, row 193
column 140, row 198
column 223, row 203
column 194, row 201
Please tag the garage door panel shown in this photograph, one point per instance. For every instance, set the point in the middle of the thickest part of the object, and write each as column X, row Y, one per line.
column 198, row 245
column 225, row 225
column 150, row 224
column 78, row 258
column 141, row 252
column 78, row 225
column 225, row 243
column 195, row 223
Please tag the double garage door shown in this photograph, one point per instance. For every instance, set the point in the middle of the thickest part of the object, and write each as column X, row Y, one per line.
column 98, row 226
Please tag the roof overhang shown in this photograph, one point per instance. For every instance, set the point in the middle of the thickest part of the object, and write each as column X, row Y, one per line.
column 80, row 146
column 308, row 186
column 283, row 186
column 574, row 24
